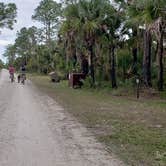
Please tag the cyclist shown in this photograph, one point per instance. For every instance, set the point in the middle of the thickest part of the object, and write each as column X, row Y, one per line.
column 23, row 76
column 11, row 72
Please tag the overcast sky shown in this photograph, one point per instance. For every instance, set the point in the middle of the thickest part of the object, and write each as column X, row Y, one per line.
column 24, row 13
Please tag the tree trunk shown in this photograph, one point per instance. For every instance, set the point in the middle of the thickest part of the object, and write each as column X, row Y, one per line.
column 91, row 65
column 74, row 59
column 37, row 59
column 113, row 64
column 49, row 34
column 156, row 52
column 160, row 62
column 147, row 59
column 134, row 53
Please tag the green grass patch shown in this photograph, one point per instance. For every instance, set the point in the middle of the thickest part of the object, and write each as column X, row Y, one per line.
column 133, row 129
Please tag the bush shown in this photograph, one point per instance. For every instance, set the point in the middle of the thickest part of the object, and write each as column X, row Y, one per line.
column 54, row 77
column 88, row 82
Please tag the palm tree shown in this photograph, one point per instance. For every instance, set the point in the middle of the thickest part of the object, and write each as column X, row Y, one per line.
column 153, row 10
column 70, row 32
column 129, row 11
column 87, row 22
column 111, row 25
column 146, row 12
column 158, row 27
column 134, row 13
column 83, row 20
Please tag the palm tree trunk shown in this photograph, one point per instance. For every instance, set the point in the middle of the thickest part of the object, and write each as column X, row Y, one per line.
column 113, row 64
column 156, row 52
column 134, row 53
column 160, row 62
column 147, row 59
column 91, row 65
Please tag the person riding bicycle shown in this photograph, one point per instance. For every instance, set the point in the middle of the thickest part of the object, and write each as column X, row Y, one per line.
column 23, row 69
column 11, row 72
column 22, row 73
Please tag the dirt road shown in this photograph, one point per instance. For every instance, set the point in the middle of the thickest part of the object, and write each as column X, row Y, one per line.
column 36, row 131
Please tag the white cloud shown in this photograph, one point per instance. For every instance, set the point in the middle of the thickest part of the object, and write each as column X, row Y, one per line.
column 4, row 42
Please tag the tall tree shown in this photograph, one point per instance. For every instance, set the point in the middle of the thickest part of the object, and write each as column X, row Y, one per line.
column 8, row 14
column 158, row 28
column 133, row 24
column 1, row 64
column 146, row 12
column 111, row 26
column 26, row 42
column 10, row 53
column 48, row 13
column 152, row 11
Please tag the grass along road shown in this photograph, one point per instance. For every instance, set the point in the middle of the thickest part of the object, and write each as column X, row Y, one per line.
column 133, row 129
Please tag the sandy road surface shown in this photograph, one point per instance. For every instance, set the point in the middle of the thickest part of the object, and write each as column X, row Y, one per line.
column 36, row 131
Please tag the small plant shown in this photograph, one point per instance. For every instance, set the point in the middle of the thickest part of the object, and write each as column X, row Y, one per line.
column 88, row 82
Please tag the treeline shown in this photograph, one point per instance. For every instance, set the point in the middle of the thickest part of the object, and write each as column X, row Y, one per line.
column 8, row 13
column 1, row 64
column 120, row 40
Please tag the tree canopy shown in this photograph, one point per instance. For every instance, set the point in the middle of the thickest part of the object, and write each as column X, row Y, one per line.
column 48, row 13
column 8, row 14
